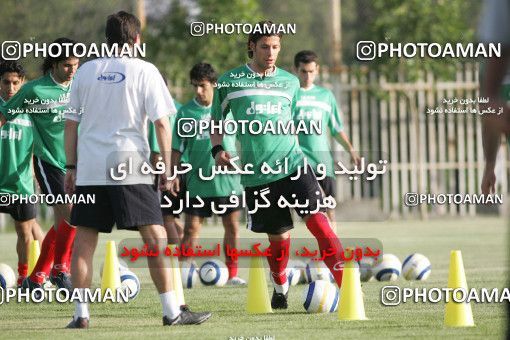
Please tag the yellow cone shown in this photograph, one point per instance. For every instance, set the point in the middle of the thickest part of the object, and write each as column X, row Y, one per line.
column 111, row 275
column 33, row 255
column 258, row 297
column 176, row 276
column 351, row 305
column 457, row 314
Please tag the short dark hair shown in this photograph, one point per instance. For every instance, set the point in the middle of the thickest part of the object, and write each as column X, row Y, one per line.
column 305, row 57
column 13, row 66
column 54, row 57
column 122, row 28
column 254, row 37
column 203, row 71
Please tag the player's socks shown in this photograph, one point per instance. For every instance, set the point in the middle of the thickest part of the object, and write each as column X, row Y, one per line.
column 81, row 308
column 278, row 264
column 22, row 272
column 319, row 226
column 231, row 266
column 43, row 266
column 64, row 244
column 169, row 304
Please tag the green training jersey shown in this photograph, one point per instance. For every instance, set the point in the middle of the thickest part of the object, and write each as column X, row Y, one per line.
column 16, row 143
column 318, row 104
column 263, row 100
column 198, row 149
column 45, row 101
column 153, row 140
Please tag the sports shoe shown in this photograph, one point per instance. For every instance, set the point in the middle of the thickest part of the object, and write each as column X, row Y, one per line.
column 78, row 323
column 236, row 281
column 187, row 317
column 31, row 285
column 279, row 301
column 62, row 280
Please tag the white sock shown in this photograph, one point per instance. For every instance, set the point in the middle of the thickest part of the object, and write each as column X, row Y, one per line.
column 82, row 308
column 169, row 303
column 280, row 289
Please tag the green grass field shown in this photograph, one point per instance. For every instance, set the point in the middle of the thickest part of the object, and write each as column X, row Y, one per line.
column 484, row 245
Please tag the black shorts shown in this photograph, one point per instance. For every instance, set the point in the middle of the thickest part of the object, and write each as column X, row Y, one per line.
column 276, row 220
column 176, row 201
column 49, row 177
column 127, row 206
column 20, row 212
column 206, row 210
column 328, row 185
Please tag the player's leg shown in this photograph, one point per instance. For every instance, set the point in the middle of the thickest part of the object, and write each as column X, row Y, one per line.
column 179, row 228
column 192, row 227
column 231, row 238
column 81, row 270
column 328, row 187
column 140, row 202
column 64, row 240
column 24, row 219
column 279, row 245
column 319, row 226
column 170, row 223
column 161, row 274
column 307, row 187
column 174, row 228
column 24, row 232
column 51, row 182
column 37, row 232
column 91, row 219
column 276, row 222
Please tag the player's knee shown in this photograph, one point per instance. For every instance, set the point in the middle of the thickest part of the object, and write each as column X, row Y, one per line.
column 279, row 237
column 23, row 229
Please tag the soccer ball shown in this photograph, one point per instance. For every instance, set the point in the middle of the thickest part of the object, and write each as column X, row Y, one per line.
column 293, row 275
column 122, row 267
column 301, row 267
column 320, row 297
column 416, row 267
column 317, row 270
column 130, row 282
column 387, row 268
column 365, row 268
column 213, row 273
column 7, row 276
column 189, row 274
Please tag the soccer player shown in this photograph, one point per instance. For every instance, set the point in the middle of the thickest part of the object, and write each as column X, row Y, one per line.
column 260, row 91
column 216, row 191
column 16, row 145
column 112, row 126
column 45, row 99
column 316, row 103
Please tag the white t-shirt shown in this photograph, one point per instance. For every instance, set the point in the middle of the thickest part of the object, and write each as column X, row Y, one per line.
column 112, row 98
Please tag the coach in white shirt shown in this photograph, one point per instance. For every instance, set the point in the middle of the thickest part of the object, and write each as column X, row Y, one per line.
column 112, row 98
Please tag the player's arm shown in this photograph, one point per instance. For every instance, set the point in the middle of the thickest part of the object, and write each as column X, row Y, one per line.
column 2, row 120
column 70, row 145
column 164, row 137
column 158, row 104
column 73, row 118
column 221, row 157
column 179, row 145
column 153, row 144
column 492, row 124
column 336, row 127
